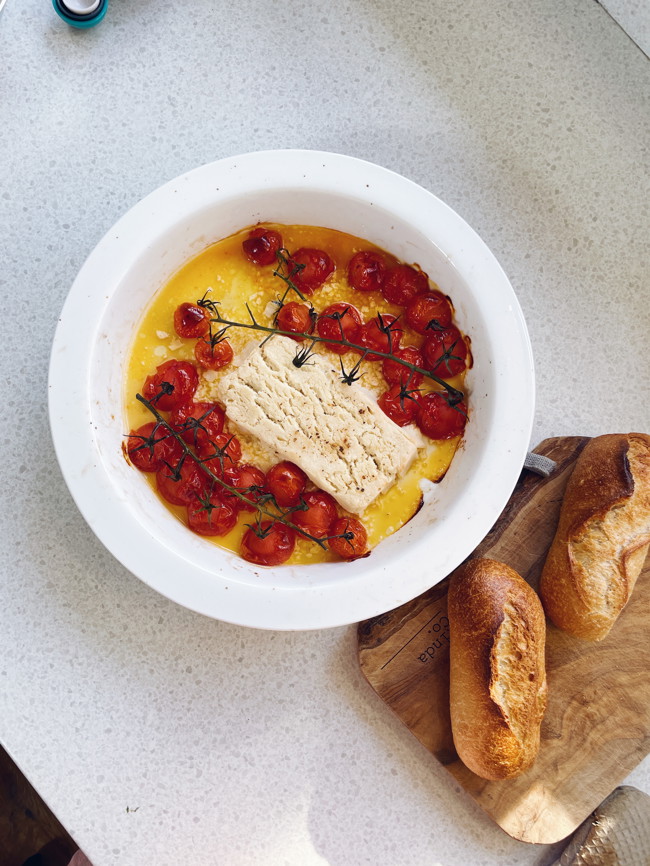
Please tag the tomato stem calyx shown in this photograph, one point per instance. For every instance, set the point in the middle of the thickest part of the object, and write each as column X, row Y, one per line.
column 285, row 270
column 353, row 375
column 303, row 354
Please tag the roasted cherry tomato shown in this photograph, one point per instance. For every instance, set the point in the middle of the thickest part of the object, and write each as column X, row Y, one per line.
column 352, row 541
column 339, row 321
column 262, row 245
column 367, row 271
column 403, row 283
column 445, row 352
column 309, row 268
column 198, row 423
column 213, row 356
column 401, row 405
column 269, row 544
column 297, row 318
column 437, row 419
column 220, row 453
column 173, row 384
column 249, row 481
column 286, row 482
column 430, row 312
column 209, row 514
column 151, row 445
column 181, row 483
column 190, row 320
column 319, row 515
column 383, row 333
column 398, row 374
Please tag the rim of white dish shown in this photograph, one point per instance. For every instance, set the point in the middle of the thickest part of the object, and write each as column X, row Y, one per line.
column 368, row 589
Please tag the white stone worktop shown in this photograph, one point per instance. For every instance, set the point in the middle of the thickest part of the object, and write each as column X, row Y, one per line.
column 159, row 736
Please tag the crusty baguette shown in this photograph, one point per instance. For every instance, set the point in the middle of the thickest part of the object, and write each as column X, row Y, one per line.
column 497, row 634
column 602, row 536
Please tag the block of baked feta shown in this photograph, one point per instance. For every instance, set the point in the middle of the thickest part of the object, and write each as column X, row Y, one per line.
column 335, row 432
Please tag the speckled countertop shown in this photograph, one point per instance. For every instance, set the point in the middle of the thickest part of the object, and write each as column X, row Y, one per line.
column 159, row 736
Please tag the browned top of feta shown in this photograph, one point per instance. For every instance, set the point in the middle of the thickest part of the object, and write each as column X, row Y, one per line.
column 335, row 432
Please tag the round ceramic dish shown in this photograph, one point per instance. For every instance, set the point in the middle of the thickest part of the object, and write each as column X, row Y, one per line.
column 138, row 256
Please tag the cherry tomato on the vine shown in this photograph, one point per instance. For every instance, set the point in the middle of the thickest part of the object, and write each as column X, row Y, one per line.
column 339, row 321
column 319, row 516
column 403, row 283
column 198, row 423
column 428, row 313
column 249, row 480
column 213, row 356
column 150, row 445
column 353, row 538
column 367, row 271
column 383, row 334
column 220, row 453
column 286, row 482
column 268, row 544
column 445, row 352
column 400, row 405
column 190, row 320
column 309, row 268
column 209, row 514
column 437, row 419
column 173, row 384
column 181, row 483
column 296, row 318
column 397, row 374
column 261, row 246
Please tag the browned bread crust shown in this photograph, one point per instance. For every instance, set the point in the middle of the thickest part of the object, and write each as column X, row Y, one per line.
column 602, row 536
column 497, row 634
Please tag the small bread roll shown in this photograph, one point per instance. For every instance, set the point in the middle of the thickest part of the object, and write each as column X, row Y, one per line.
column 602, row 536
column 497, row 635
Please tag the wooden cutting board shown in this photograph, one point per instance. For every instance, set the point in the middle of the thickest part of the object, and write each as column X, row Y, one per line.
column 597, row 724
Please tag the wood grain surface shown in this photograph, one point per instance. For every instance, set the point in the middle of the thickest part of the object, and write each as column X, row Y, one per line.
column 29, row 832
column 597, row 724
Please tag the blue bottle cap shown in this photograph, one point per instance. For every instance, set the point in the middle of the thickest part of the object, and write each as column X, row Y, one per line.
column 81, row 13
